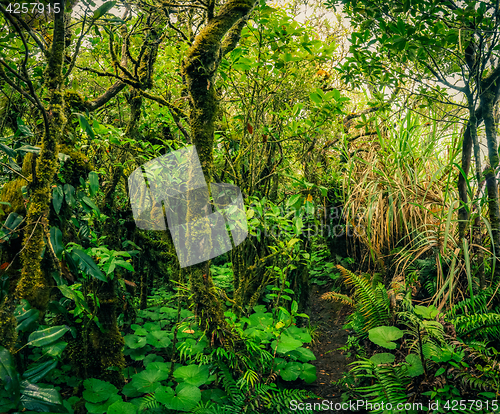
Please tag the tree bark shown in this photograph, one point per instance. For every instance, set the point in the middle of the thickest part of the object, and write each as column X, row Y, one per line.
column 490, row 87
column 219, row 36
column 34, row 284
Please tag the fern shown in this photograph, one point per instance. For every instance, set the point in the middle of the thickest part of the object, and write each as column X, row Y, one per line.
column 478, row 326
column 477, row 304
column 230, row 385
column 372, row 304
column 148, row 402
column 338, row 297
column 388, row 385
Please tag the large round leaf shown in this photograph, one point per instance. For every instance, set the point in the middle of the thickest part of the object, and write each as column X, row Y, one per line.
column 135, row 341
column 308, row 373
column 97, row 390
column 415, row 367
column 121, row 407
column 302, row 334
column 291, row 371
column 192, row 374
column 148, row 380
column 286, row 344
column 184, row 398
column 384, row 335
column 303, row 354
column 102, row 407
column 383, row 358
column 158, row 339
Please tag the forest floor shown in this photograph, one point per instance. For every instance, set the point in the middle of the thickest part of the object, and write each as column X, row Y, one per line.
column 330, row 362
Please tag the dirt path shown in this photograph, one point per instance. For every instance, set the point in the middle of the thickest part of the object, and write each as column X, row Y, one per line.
column 330, row 363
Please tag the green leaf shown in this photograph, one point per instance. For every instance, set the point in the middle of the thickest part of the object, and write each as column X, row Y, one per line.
column 124, row 264
column 158, row 339
column 296, row 109
column 41, row 398
column 121, row 407
column 415, row 367
column 426, row 312
column 184, row 398
column 91, row 204
column 56, row 241
column 57, row 198
column 97, row 390
column 102, row 407
column 384, row 335
column 383, row 358
column 316, row 98
column 148, row 380
column 299, row 333
column 291, row 371
column 69, row 192
column 102, row 10
column 37, row 371
column 440, row 371
column 55, row 350
column 308, row 373
column 9, row 151
column 29, row 148
column 8, row 374
column 81, row 118
column 192, row 374
column 134, row 341
column 13, row 221
column 303, row 354
column 93, row 183
column 286, row 344
column 47, row 336
column 87, row 265
column 25, row 315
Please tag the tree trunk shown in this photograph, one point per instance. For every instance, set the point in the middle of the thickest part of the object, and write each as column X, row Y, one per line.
column 464, row 211
column 34, row 284
column 489, row 98
column 219, row 36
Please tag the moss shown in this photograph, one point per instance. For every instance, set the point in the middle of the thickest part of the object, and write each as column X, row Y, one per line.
column 74, row 101
column 76, row 166
column 8, row 324
column 11, row 193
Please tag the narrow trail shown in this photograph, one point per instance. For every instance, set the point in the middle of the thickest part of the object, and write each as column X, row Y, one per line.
column 330, row 363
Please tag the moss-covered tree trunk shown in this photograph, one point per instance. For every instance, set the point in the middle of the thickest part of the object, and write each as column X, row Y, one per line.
column 219, row 36
column 34, row 284
column 490, row 87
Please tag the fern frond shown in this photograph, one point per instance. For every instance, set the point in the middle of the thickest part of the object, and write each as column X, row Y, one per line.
column 478, row 326
column 338, row 297
column 474, row 305
column 230, row 385
column 148, row 402
column 480, row 383
column 388, row 385
column 370, row 303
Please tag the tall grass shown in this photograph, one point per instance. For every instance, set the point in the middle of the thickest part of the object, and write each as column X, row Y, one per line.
column 401, row 197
